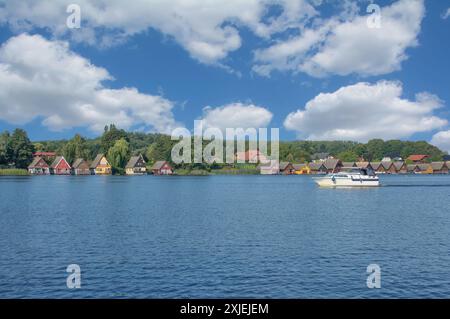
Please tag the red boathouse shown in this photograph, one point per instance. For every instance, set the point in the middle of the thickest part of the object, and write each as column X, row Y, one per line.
column 60, row 166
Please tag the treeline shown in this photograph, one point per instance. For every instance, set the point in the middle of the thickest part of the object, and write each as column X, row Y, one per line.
column 16, row 149
column 374, row 150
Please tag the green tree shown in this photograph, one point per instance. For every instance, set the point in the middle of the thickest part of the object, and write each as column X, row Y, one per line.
column 375, row 149
column 348, row 156
column 361, row 151
column 160, row 150
column 110, row 136
column 290, row 158
column 75, row 148
column 21, row 149
column 5, row 148
column 302, row 156
column 118, row 155
column 39, row 147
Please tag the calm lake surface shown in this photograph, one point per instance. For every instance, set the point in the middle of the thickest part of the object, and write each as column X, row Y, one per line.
column 223, row 236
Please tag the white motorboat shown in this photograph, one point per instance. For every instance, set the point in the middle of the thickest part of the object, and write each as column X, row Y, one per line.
column 349, row 177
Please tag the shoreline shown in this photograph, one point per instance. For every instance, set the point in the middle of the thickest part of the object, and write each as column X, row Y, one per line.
column 24, row 173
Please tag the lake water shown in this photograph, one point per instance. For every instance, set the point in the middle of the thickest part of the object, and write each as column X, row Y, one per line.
column 223, row 236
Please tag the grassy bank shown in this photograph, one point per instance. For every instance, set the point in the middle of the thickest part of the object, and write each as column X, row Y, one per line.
column 13, row 172
column 242, row 171
column 194, row 172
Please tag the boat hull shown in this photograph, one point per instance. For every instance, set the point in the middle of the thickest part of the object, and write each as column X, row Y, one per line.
column 341, row 182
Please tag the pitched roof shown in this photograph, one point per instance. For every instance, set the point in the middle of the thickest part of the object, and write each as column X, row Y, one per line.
column 399, row 165
column 159, row 164
column 363, row 164
column 57, row 160
column 417, row 157
column 298, row 167
column 375, row 165
column 97, row 160
column 349, row 164
column 331, row 163
column 284, row 165
column 35, row 161
column 133, row 161
column 423, row 167
column 316, row 166
column 78, row 163
column 387, row 165
column 437, row 165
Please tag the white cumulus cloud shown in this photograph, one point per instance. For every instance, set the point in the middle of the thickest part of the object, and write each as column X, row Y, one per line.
column 364, row 111
column 236, row 115
column 446, row 14
column 42, row 79
column 442, row 140
column 347, row 44
column 207, row 29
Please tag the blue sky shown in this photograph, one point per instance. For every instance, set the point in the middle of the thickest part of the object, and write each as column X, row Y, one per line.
column 315, row 69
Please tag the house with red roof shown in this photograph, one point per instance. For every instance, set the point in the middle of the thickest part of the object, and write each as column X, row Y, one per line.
column 39, row 167
column 60, row 166
column 416, row 158
column 42, row 154
column 162, row 168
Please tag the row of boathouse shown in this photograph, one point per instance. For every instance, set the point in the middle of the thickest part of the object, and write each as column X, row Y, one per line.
column 138, row 166
column 99, row 166
column 335, row 165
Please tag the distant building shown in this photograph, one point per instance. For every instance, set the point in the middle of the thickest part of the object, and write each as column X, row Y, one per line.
column 136, row 166
column 386, row 159
column 425, row 168
column 60, row 166
column 400, row 167
column 162, row 168
column 413, row 169
column 418, row 158
column 317, row 168
column 286, row 168
column 386, row 168
column 320, row 156
column 273, row 168
column 376, row 166
column 366, row 165
column 349, row 164
column 383, row 167
column 302, row 169
column 42, row 154
column 81, row 167
column 439, row 168
column 39, row 167
column 332, row 165
column 100, row 166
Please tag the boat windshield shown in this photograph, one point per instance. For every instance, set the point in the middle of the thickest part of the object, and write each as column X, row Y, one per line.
column 357, row 170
